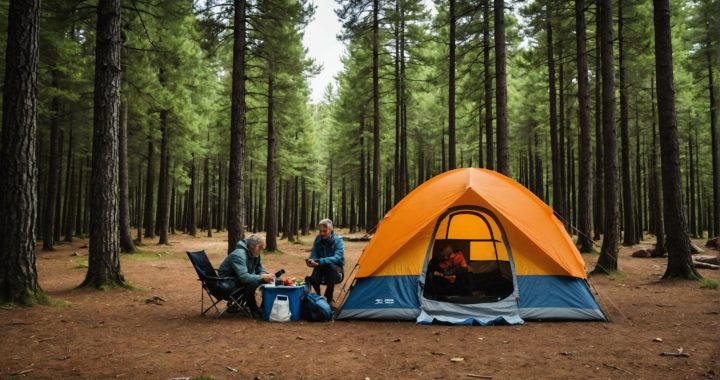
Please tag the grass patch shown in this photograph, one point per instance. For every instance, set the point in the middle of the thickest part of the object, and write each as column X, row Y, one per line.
column 81, row 263
column 203, row 377
column 707, row 283
column 617, row 276
column 32, row 299
column 141, row 255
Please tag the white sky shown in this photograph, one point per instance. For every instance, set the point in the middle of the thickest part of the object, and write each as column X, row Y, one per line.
column 323, row 46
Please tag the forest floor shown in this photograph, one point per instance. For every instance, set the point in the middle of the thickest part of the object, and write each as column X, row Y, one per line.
column 116, row 334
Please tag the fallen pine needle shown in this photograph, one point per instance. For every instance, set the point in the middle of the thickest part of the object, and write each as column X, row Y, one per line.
column 617, row 368
column 479, row 376
column 22, row 372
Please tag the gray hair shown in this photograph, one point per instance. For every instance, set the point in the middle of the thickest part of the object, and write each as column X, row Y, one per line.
column 326, row 222
column 254, row 240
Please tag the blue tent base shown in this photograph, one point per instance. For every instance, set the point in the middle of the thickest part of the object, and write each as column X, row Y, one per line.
column 539, row 297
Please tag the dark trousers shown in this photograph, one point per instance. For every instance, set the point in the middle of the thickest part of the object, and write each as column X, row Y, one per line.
column 330, row 274
column 248, row 294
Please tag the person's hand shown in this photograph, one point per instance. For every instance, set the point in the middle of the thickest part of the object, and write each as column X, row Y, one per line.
column 267, row 277
column 436, row 273
column 312, row 263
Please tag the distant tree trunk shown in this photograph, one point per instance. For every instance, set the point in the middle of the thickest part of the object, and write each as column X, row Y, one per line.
column 139, row 208
column 451, row 90
column 271, row 221
column 677, row 241
column 375, row 196
column 361, row 178
column 126, row 243
column 658, row 220
column 398, row 103
column 54, row 163
column 489, row 148
column 236, row 180
column 607, row 262
column 303, row 210
column 503, row 158
column 58, row 194
column 330, row 211
column 163, row 208
column 557, row 194
column 104, row 262
column 599, row 164
column 714, row 133
column 78, row 209
column 173, row 206
column 192, row 209
column 18, row 172
column 628, row 217
column 638, row 179
column 288, row 232
column 343, row 205
column 585, row 206
column 68, row 225
column 691, row 193
column 150, row 177
column 206, row 198
column 219, row 214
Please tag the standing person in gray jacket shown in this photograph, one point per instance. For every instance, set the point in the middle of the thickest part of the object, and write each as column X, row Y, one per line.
column 243, row 268
column 326, row 259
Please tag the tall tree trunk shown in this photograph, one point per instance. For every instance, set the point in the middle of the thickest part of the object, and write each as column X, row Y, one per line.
column 104, row 261
column 303, row 210
column 677, row 240
column 487, row 84
column 149, row 188
column 54, row 163
column 361, row 184
column 557, row 194
column 271, row 221
column 192, row 209
column 78, row 208
column 206, row 197
column 451, row 90
column 330, row 211
column 658, row 221
column 585, row 194
column 140, row 214
column 638, row 179
column 236, row 179
column 398, row 104
column 126, row 243
column 58, row 194
column 287, row 213
column 503, row 158
column 18, row 172
column 163, row 209
column 714, row 132
column 599, row 164
column 628, row 217
column 375, row 195
column 68, row 225
column 607, row 262
column 68, row 179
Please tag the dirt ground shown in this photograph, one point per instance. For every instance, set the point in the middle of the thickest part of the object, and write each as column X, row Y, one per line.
column 116, row 334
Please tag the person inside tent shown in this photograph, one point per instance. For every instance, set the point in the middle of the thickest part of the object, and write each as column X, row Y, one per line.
column 243, row 268
column 326, row 259
column 449, row 272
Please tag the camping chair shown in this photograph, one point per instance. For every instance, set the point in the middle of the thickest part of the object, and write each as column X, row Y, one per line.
column 209, row 281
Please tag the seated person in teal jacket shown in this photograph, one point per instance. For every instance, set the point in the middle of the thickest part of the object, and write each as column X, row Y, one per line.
column 244, row 267
column 326, row 259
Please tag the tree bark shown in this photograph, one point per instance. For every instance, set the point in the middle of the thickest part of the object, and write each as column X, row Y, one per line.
column 658, row 221
column 451, row 90
column 236, row 178
column 557, row 194
column 104, row 261
column 628, row 217
column 163, row 209
column 489, row 148
column 54, row 161
column 18, row 172
column 599, row 164
column 149, row 188
column 585, row 194
column 126, row 242
column 607, row 262
column 503, row 159
column 271, row 219
column 677, row 240
column 714, row 134
column 375, row 195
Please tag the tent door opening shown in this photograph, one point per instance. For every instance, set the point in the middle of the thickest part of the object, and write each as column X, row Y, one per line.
column 469, row 260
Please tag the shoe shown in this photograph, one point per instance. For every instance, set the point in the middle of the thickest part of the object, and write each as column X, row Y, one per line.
column 232, row 309
column 256, row 314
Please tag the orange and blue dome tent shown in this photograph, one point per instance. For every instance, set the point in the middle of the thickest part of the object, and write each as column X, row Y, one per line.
column 521, row 263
